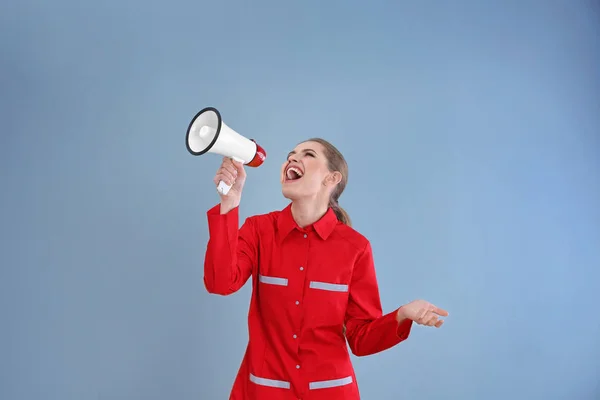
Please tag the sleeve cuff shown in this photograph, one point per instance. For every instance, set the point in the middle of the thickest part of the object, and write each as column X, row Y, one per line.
column 216, row 211
column 403, row 328
column 223, row 223
column 396, row 332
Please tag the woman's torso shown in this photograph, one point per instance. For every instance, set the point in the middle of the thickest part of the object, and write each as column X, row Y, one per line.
column 297, row 348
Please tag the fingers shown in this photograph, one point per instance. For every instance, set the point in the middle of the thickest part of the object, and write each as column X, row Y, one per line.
column 439, row 311
column 238, row 166
column 230, row 168
column 428, row 316
column 432, row 319
column 229, row 171
column 226, row 176
column 424, row 313
column 422, row 316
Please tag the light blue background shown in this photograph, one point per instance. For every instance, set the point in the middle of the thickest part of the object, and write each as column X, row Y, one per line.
column 472, row 131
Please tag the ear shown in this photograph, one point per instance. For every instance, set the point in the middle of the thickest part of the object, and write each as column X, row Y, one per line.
column 334, row 178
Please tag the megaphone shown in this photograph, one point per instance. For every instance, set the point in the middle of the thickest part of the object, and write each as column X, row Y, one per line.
column 207, row 133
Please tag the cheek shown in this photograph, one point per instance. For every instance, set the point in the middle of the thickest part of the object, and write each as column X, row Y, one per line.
column 315, row 173
column 313, row 181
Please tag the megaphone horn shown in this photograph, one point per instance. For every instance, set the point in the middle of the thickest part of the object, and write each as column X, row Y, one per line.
column 207, row 133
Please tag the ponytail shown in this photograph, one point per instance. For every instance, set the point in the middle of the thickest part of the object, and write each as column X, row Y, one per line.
column 340, row 213
column 336, row 162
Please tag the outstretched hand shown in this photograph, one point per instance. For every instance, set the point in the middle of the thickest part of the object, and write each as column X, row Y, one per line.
column 422, row 312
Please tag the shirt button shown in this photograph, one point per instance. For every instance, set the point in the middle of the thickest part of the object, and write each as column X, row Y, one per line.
column 305, row 236
column 297, row 302
column 301, row 268
column 295, row 336
column 297, row 367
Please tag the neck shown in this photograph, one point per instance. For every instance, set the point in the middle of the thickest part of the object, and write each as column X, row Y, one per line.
column 308, row 212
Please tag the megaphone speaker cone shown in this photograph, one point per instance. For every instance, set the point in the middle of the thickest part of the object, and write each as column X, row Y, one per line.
column 203, row 131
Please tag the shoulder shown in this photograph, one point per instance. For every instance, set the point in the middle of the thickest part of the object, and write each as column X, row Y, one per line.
column 265, row 219
column 352, row 236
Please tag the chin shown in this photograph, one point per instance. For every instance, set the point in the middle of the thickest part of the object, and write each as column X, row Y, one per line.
column 294, row 190
column 288, row 192
column 298, row 190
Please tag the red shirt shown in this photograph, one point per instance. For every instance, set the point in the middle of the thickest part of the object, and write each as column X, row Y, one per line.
column 307, row 283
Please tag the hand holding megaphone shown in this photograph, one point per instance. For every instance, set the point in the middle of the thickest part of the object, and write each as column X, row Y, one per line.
column 223, row 186
column 231, row 174
column 207, row 133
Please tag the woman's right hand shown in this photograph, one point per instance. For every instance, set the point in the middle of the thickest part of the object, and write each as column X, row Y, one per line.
column 232, row 173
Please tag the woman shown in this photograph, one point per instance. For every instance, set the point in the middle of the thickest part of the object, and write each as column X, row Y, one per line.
column 314, row 283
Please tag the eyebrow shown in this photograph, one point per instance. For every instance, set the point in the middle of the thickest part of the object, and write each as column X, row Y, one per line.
column 303, row 151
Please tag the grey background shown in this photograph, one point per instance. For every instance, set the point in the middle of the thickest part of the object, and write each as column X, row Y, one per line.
column 472, row 131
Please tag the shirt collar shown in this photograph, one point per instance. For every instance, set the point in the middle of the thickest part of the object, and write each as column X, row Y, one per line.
column 324, row 226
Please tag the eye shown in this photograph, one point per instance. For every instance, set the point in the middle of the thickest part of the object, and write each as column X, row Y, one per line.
column 311, row 155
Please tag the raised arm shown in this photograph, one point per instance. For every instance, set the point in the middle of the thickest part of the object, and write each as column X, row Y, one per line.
column 232, row 252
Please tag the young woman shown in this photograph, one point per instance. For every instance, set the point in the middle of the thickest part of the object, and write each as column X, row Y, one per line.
column 313, row 283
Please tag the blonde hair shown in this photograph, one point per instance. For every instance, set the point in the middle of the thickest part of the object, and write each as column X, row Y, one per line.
column 336, row 162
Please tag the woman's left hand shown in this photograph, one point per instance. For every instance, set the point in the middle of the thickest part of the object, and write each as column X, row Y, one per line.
column 422, row 312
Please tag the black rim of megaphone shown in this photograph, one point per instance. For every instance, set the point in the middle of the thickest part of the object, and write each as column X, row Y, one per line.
column 187, row 135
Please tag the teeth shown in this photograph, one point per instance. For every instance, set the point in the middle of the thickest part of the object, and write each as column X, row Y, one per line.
column 296, row 170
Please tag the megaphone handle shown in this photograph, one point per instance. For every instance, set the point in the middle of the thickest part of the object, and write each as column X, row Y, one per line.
column 224, row 188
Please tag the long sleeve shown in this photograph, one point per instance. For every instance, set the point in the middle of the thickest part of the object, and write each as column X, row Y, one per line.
column 369, row 331
column 231, row 253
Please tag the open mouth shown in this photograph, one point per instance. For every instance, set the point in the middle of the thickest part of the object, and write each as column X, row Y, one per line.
column 293, row 173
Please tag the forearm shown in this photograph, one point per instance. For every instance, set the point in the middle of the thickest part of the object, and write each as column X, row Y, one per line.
column 400, row 315
column 369, row 331
column 371, row 337
column 229, row 204
column 223, row 273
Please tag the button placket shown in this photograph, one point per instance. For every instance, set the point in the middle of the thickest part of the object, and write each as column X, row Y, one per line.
column 301, row 267
column 300, row 283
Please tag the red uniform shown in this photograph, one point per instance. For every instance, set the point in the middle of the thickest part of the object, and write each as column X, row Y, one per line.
column 307, row 283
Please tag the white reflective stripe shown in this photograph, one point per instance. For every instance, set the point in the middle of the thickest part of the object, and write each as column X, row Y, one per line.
column 272, row 280
column 269, row 382
column 328, row 286
column 329, row 384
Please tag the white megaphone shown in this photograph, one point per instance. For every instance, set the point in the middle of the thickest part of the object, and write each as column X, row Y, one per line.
column 207, row 133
